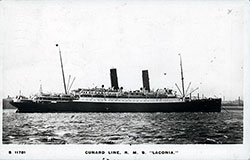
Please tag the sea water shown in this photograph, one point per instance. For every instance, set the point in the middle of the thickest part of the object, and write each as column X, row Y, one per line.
column 225, row 127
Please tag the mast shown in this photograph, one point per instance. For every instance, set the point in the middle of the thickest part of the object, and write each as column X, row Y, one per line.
column 71, row 84
column 178, row 88
column 62, row 69
column 67, row 87
column 182, row 78
column 41, row 89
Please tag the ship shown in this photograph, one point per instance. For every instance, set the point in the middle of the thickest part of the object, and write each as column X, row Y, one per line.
column 116, row 99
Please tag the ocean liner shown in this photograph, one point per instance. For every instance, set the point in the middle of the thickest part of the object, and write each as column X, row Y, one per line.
column 116, row 99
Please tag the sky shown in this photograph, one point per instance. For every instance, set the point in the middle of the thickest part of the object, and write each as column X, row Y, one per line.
column 130, row 36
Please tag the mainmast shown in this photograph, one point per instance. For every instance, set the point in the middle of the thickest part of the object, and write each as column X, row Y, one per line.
column 182, row 78
column 62, row 69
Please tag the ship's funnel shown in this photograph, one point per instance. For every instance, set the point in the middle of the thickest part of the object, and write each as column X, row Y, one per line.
column 114, row 79
column 145, row 80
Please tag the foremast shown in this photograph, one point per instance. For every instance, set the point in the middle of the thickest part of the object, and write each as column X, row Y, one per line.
column 62, row 69
column 182, row 79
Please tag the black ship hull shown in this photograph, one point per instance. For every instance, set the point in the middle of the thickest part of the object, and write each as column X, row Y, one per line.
column 204, row 105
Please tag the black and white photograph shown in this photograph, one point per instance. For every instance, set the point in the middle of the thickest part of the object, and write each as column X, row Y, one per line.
column 116, row 79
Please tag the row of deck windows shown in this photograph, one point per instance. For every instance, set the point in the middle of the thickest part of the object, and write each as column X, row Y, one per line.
column 127, row 100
